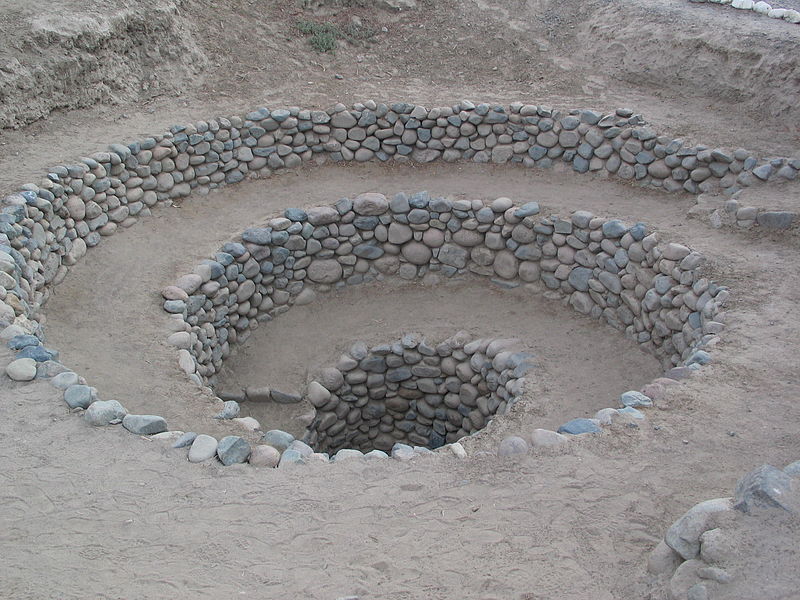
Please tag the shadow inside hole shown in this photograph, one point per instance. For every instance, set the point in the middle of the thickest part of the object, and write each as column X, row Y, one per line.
column 414, row 393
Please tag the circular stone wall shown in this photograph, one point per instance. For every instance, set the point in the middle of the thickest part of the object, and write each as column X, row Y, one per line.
column 414, row 393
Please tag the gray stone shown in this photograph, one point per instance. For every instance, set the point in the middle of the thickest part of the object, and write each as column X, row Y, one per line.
column 698, row 591
column 684, row 535
column 485, row 215
column 233, row 449
column 399, row 233
column 418, row 216
column 766, row 488
column 398, row 374
column 260, row 236
column 18, row 342
column 258, row 394
column 717, row 546
column 581, row 302
column 764, row 171
column 714, row 574
column 370, row 204
column 322, row 215
column 400, row 203
column 683, row 579
column 144, row 424
column 402, row 452
column 631, row 412
column 369, row 251
column 634, row 399
column 793, row 469
column 293, row 214
column 506, row 264
column 343, row 120
column 675, row 252
column 301, row 447
column 376, row 454
column 317, row 394
column 544, row 438
column 580, row 425
column 185, row 440
column 416, row 253
column 453, row 255
column 284, row 397
column 21, row 369
column 230, row 410
column 290, row 458
column 278, row 439
column 324, row 271
column 775, row 219
column 78, row 396
column 527, row 210
column 663, row 560
column 610, row 281
column 104, row 412
column 332, row 378
column 347, row 453
column 614, row 228
column 64, row 380
column 699, row 357
column 579, row 278
column 606, row 416
column 203, row 447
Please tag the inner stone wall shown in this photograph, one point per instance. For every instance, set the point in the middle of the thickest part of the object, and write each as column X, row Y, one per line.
column 605, row 268
column 414, row 393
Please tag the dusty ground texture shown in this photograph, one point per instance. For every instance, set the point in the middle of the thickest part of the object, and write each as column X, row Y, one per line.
column 98, row 513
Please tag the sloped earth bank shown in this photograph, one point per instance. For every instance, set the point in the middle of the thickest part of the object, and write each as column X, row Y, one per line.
column 98, row 513
column 134, row 519
column 69, row 55
column 701, row 71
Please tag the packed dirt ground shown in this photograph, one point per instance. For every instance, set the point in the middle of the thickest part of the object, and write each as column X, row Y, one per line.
column 94, row 513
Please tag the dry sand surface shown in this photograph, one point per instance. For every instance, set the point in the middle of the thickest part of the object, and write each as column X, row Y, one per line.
column 98, row 513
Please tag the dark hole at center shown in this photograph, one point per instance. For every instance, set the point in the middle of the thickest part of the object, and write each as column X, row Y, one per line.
column 414, row 393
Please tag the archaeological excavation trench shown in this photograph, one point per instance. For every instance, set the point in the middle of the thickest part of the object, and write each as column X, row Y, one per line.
column 417, row 383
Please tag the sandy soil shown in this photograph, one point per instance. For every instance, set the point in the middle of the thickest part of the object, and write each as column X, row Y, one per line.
column 100, row 513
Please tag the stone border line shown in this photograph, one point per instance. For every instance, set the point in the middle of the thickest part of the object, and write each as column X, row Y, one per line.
column 47, row 227
column 719, row 212
column 760, row 7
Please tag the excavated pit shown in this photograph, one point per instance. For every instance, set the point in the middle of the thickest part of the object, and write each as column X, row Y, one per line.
column 414, row 393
